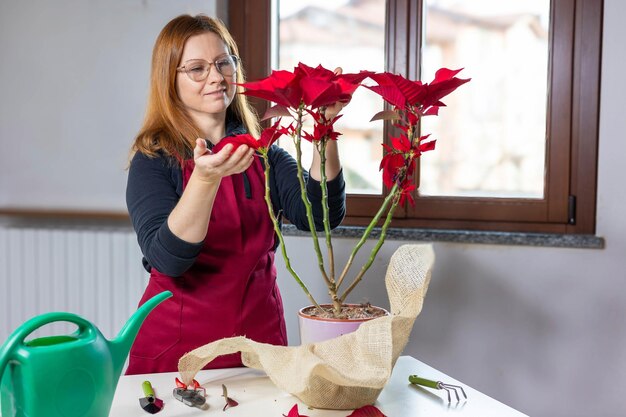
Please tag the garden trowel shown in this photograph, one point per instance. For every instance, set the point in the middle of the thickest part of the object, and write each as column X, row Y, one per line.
column 150, row 402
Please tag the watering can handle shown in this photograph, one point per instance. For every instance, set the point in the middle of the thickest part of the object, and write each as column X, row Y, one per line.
column 17, row 337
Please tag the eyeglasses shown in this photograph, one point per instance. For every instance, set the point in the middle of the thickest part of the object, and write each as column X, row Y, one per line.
column 198, row 69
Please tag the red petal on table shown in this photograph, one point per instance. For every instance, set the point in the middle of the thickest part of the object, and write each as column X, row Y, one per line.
column 294, row 412
column 367, row 411
column 230, row 403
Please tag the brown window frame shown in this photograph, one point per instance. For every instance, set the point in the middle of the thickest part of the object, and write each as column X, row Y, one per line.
column 569, row 204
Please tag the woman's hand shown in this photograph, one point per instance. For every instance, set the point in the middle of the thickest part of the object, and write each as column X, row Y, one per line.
column 333, row 110
column 212, row 167
column 190, row 217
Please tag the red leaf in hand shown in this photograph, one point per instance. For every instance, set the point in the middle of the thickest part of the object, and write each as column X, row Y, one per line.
column 367, row 411
column 236, row 141
column 294, row 412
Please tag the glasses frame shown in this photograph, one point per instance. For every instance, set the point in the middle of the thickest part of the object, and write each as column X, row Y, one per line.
column 235, row 58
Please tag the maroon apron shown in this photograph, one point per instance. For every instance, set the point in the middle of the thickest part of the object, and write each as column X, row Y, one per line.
column 229, row 291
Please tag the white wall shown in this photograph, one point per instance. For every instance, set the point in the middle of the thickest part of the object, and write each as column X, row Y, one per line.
column 540, row 329
column 73, row 84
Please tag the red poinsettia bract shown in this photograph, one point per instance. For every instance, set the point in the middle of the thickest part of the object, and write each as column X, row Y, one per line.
column 313, row 87
column 405, row 94
column 399, row 161
column 281, row 87
column 367, row 411
column 271, row 135
column 268, row 137
column 322, row 87
column 323, row 129
column 236, row 141
column 406, row 189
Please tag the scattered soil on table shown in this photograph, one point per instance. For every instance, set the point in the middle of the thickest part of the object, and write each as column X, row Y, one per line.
column 348, row 311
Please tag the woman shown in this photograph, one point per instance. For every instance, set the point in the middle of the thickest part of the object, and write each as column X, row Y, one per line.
column 200, row 217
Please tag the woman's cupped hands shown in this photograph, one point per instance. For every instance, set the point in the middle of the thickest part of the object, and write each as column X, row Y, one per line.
column 211, row 167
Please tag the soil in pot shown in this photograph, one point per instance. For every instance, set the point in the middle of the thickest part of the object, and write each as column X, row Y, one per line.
column 348, row 312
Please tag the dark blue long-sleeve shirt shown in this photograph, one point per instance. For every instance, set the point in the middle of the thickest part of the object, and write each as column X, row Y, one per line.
column 156, row 184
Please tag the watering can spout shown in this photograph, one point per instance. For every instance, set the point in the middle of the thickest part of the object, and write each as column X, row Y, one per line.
column 120, row 346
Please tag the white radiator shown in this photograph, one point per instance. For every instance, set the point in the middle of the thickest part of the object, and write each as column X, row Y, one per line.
column 95, row 272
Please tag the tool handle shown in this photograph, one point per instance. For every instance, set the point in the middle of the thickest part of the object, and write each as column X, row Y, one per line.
column 147, row 389
column 414, row 379
column 86, row 330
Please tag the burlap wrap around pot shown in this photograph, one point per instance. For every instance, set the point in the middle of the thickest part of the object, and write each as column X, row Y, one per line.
column 343, row 373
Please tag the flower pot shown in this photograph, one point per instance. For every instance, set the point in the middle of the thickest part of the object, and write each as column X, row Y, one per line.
column 317, row 329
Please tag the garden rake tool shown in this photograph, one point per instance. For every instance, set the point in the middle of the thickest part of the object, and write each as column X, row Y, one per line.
column 414, row 379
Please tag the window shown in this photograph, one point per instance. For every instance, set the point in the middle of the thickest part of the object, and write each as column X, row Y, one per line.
column 518, row 149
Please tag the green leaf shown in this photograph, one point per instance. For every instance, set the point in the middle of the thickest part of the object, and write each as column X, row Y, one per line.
column 276, row 111
column 386, row 115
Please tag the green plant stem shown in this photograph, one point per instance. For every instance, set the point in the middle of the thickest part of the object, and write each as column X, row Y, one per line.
column 381, row 240
column 332, row 289
column 305, row 199
column 279, row 233
column 367, row 233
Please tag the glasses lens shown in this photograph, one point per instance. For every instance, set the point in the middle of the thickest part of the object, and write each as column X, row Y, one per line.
column 227, row 66
column 197, row 70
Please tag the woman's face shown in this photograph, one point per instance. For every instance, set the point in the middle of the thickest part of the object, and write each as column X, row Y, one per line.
column 213, row 95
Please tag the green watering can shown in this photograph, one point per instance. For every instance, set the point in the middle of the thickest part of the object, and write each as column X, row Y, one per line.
column 65, row 376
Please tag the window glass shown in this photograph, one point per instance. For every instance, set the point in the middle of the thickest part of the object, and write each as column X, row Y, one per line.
column 347, row 34
column 491, row 138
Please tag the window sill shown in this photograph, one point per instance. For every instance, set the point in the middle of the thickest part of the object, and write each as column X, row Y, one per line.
column 467, row 236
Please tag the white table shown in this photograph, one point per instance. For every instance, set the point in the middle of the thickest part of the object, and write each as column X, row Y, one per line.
column 259, row 397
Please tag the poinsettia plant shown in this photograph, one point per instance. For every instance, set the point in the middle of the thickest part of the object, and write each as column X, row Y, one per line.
column 308, row 92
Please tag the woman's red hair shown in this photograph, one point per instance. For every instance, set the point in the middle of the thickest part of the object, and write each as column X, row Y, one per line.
column 167, row 127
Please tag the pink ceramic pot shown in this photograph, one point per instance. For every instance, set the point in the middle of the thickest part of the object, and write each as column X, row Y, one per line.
column 317, row 329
